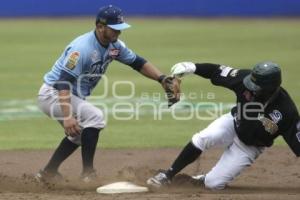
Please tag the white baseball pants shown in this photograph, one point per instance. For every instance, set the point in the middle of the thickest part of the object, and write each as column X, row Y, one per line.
column 86, row 114
column 236, row 157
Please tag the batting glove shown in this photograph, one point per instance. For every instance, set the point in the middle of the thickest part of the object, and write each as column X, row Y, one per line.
column 183, row 68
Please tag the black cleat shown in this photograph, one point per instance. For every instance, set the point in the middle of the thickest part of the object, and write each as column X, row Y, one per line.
column 45, row 177
column 159, row 180
column 89, row 177
column 199, row 179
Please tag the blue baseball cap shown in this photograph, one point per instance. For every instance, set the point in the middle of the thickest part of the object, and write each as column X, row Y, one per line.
column 112, row 17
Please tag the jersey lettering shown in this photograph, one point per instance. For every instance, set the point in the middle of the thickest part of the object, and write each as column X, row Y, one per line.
column 97, row 68
column 276, row 116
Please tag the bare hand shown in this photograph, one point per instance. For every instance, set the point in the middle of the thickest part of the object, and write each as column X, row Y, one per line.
column 71, row 127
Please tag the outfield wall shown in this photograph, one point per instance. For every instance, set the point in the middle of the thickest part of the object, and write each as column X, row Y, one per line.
column 205, row 8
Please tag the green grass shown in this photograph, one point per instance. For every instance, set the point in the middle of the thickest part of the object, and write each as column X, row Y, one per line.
column 30, row 47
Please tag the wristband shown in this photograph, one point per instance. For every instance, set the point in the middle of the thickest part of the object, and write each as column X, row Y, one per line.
column 161, row 78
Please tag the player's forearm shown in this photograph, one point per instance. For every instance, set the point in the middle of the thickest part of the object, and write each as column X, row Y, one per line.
column 206, row 70
column 65, row 103
column 150, row 71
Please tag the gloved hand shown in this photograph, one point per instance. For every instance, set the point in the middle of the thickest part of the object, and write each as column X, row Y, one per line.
column 171, row 86
column 183, row 68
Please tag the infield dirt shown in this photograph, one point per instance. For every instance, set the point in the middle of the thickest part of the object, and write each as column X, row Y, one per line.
column 275, row 175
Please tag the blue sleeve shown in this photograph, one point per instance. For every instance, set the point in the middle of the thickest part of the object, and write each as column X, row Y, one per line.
column 65, row 81
column 73, row 61
column 126, row 56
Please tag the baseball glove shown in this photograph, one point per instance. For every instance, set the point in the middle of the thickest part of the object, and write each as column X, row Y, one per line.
column 171, row 86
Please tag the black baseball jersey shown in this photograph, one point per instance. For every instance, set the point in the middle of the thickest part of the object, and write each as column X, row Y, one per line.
column 256, row 123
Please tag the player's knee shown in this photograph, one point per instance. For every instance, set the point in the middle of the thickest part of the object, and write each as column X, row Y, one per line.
column 201, row 142
column 214, row 183
column 95, row 120
column 99, row 120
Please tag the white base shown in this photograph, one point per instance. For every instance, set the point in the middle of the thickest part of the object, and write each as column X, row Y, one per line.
column 121, row 187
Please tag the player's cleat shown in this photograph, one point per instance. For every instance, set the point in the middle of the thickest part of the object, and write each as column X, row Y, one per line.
column 199, row 179
column 89, row 177
column 159, row 180
column 43, row 177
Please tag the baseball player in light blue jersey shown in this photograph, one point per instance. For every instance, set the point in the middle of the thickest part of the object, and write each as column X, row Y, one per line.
column 73, row 77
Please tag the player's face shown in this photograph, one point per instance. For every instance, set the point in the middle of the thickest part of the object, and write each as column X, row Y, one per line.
column 107, row 35
column 110, row 34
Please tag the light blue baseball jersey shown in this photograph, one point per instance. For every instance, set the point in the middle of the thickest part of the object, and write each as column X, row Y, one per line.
column 86, row 60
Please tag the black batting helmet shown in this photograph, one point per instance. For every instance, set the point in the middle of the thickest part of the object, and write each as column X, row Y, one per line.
column 264, row 76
